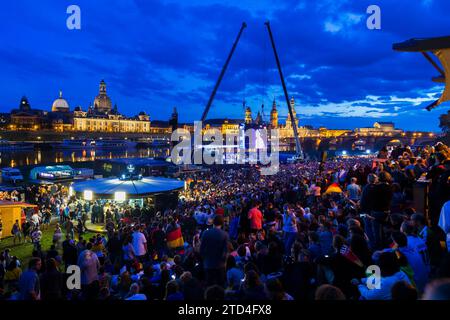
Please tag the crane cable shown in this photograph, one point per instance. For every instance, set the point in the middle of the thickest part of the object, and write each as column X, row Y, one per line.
column 264, row 78
column 244, row 82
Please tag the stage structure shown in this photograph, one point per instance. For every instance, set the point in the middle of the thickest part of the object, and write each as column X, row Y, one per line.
column 299, row 151
column 157, row 192
column 440, row 47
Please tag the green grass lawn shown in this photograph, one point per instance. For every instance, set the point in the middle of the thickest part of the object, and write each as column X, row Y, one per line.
column 23, row 251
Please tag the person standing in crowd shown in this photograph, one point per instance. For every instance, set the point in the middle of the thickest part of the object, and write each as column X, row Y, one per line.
column 390, row 275
column 27, row 228
column 289, row 228
column 135, row 294
column 139, row 243
column 434, row 238
column 36, row 236
column 296, row 245
column 16, row 232
column 51, row 282
column 29, row 285
column 353, row 190
column 57, row 235
column 35, row 220
column 89, row 265
column 256, row 218
column 47, row 216
column 213, row 250
column 70, row 229
column 375, row 202
column 444, row 222
column 410, row 260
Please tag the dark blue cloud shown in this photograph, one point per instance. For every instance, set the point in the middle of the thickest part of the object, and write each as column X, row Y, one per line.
column 158, row 54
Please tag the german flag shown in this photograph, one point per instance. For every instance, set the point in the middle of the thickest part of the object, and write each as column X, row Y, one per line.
column 175, row 238
column 334, row 188
column 347, row 253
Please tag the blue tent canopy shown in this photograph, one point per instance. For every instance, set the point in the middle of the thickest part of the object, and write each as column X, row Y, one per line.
column 107, row 187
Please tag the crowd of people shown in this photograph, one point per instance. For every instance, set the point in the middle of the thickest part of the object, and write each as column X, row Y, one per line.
column 343, row 229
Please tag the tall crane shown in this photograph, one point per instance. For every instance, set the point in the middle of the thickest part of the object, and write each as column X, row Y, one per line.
column 298, row 146
column 222, row 73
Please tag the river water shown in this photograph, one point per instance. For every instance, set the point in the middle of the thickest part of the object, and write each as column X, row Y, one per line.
column 22, row 158
column 48, row 156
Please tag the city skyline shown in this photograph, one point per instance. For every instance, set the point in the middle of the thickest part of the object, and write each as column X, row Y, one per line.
column 161, row 55
column 60, row 108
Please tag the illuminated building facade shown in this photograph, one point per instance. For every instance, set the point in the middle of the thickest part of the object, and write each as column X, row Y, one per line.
column 379, row 129
column 286, row 130
column 225, row 126
column 26, row 118
column 102, row 117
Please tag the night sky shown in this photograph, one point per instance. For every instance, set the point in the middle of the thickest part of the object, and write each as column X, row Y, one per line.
column 155, row 55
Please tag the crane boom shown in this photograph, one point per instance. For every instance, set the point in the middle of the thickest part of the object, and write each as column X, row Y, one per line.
column 298, row 146
column 222, row 73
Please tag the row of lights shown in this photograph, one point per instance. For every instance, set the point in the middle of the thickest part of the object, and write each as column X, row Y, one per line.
column 88, row 195
column 344, row 152
column 119, row 196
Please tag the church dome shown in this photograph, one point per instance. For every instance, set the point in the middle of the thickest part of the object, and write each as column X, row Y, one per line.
column 60, row 104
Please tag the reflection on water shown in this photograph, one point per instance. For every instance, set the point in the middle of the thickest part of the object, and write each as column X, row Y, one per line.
column 35, row 157
column 19, row 158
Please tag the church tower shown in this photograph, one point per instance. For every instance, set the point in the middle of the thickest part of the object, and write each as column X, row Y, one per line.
column 102, row 87
column 102, row 103
column 173, row 121
column 289, row 120
column 248, row 116
column 24, row 104
column 274, row 116
column 258, row 119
